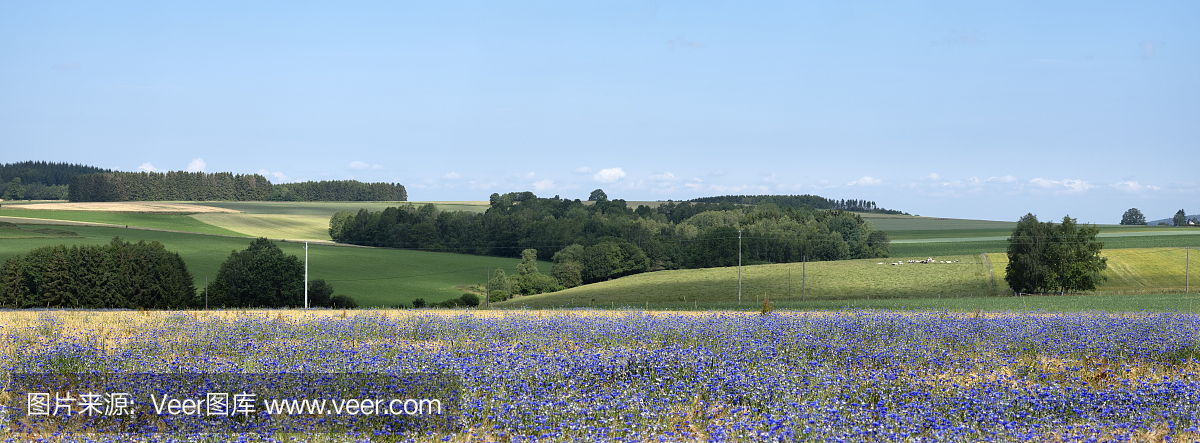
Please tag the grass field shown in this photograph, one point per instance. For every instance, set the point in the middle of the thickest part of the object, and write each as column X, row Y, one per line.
column 833, row 284
column 171, row 222
column 375, row 277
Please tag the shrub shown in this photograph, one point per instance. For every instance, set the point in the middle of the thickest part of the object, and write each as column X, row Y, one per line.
column 419, row 303
column 319, row 293
column 498, row 296
column 469, row 299
column 342, row 301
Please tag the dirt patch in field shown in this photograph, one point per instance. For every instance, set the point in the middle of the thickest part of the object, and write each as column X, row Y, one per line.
column 134, row 207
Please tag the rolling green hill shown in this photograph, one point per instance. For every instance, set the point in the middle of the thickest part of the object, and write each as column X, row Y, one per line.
column 1143, row 270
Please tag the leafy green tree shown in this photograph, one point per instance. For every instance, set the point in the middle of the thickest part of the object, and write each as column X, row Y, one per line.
column 1073, row 261
column 528, row 262
column 499, row 281
column 598, row 196
column 1045, row 256
column 15, row 190
column 259, row 276
column 1180, row 218
column 320, row 293
column 1133, row 217
column 1026, row 270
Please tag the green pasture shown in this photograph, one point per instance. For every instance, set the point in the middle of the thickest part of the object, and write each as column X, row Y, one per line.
column 1114, row 239
column 10, row 231
column 834, row 280
column 1068, row 303
column 375, row 277
column 171, row 222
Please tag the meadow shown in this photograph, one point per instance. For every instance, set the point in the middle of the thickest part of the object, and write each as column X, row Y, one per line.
column 652, row 376
column 374, row 277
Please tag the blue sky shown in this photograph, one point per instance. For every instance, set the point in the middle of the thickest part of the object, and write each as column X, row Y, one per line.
column 965, row 109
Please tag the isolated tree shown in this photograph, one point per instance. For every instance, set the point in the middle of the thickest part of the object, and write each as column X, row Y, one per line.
column 15, row 190
column 1045, row 256
column 598, row 196
column 1180, row 218
column 259, row 276
column 1133, row 217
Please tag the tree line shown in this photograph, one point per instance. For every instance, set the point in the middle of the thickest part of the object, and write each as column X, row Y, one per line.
column 203, row 186
column 117, row 275
column 1134, row 216
column 125, row 275
column 800, row 201
column 607, row 239
column 39, row 180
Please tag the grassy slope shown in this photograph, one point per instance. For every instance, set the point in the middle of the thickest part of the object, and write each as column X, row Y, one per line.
column 833, row 283
column 173, row 222
column 821, row 281
column 373, row 276
column 327, row 209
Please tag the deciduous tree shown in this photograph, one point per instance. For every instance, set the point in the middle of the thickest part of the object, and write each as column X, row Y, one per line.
column 1133, row 217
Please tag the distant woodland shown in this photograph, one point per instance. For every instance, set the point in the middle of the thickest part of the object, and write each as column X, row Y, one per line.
column 800, row 201
column 607, row 239
column 39, row 180
column 203, row 186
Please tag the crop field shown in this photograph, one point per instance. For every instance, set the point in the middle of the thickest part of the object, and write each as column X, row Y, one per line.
column 374, row 277
column 651, row 376
column 170, row 222
column 293, row 227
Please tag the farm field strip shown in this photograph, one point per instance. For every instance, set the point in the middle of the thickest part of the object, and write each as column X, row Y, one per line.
column 292, row 227
column 716, row 376
column 169, row 222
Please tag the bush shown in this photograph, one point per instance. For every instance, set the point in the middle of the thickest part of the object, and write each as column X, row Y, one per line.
column 448, row 304
column 496, row 296
column 343, row 302
column 469, row 299
column 319, row 293
column 419, row 303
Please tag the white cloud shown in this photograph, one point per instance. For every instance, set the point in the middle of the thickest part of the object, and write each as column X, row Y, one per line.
column 609, row 175
column 1069, row 186
column 1133, row 186
column 363, row 165
column 865, row 181
column 279, row 176
column 544, row 185
column 147, row 167
column 452, row 175
column 664, row 177
column 481, row 186
column 529, row 176
column 197, row 165
column 771, row 178
column 1004, row 179
column 933, row 176
column 583, row 170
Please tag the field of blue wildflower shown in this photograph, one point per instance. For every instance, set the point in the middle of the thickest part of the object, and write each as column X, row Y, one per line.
column 707, row 376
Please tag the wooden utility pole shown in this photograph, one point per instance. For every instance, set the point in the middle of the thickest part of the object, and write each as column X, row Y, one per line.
column 739, row 267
